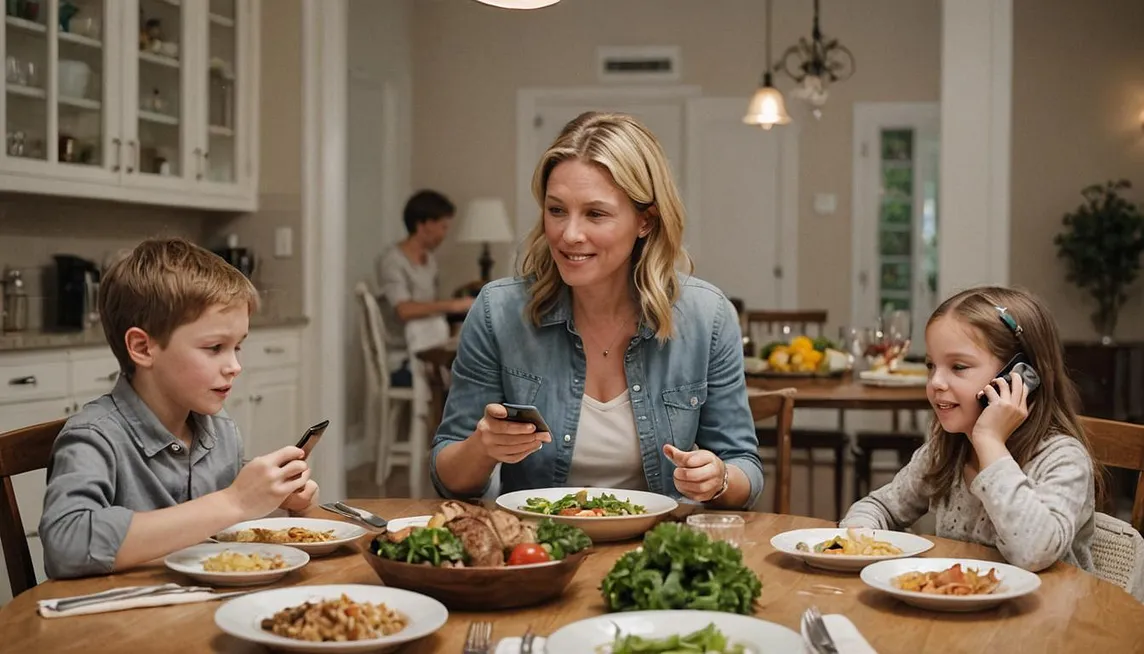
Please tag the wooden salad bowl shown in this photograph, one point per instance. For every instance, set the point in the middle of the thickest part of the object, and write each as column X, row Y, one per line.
column 481, row 589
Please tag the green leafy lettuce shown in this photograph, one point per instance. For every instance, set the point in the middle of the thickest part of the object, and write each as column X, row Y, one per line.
column 432, row 546
column 707, row 640
column 560, row 540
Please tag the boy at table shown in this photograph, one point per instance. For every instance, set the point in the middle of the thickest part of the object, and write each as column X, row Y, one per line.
column 156, row 465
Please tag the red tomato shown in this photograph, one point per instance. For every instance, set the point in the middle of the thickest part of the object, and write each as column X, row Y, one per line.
column 526, row 553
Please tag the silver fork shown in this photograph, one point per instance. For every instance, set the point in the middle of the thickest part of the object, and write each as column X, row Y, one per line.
column 526, row 641
column 479, row 638
column 820, row 638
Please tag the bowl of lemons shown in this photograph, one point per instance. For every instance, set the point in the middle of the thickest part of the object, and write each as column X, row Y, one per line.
column 802, row 356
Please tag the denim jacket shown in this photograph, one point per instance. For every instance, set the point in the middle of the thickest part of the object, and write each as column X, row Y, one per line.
column 690, row 391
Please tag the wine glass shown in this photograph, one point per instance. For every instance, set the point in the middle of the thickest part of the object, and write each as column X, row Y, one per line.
column 897, row 325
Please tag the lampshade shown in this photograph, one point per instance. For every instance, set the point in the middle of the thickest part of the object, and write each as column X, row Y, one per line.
column 485, row 221
column 767, row 108
column 519, row 4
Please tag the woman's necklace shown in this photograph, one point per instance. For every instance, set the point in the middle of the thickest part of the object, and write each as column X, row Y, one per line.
column 615, row 339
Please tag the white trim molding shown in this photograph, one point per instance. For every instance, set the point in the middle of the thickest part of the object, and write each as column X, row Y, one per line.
column 976, row 125
column 324, row 84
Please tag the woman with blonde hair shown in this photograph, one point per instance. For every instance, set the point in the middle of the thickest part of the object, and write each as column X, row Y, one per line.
column 636, row 368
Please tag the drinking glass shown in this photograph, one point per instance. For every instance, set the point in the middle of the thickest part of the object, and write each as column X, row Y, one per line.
column 719, row 526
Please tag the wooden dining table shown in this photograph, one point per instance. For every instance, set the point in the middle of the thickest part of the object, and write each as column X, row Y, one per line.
column 1071, row 611
column 844, row 392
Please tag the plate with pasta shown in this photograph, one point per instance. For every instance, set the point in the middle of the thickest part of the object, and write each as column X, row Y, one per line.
column 237, row 564
column 335, row 618
column 311, row 535
column 951, row 584
column 848, row 550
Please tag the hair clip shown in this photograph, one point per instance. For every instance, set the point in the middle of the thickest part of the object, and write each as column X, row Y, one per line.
column 1010, row 322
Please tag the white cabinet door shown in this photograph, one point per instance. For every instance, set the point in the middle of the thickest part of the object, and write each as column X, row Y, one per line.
column 274, row 395
column 241, row 410
column 30, row 485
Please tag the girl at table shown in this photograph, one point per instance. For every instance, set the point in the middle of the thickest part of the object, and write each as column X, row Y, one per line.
column 1016, row 475
column 636, row 368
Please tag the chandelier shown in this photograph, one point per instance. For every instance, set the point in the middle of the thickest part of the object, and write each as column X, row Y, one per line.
column 767, row 108
column 816, row 64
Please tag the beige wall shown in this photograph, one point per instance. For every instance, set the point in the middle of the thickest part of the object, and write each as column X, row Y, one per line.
column 470, row 60
column 1078, row 94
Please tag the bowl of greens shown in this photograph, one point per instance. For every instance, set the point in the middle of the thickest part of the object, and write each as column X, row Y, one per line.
column 679, row 568
column 468, row 557
column 668, row 632
column 605, row 514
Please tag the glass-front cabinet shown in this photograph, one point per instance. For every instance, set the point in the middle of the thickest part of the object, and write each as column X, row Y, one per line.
column 139, row 100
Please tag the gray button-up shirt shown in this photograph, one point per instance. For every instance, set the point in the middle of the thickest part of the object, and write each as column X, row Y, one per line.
column 113, row 458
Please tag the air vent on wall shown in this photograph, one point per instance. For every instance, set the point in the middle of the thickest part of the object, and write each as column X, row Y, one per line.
column 645, row 63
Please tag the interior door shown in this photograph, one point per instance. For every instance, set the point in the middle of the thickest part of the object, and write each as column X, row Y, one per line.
column 742, row 203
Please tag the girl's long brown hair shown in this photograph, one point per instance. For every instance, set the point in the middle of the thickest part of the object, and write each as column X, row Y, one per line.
column 1052, row 407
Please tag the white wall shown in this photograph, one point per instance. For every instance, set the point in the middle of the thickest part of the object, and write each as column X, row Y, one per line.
column 379, row 145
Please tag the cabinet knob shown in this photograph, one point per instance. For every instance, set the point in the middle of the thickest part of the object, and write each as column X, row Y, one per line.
column 67, row 410
column 274, row 349
column 256, row 399
column 30, row 380
column 111, row 377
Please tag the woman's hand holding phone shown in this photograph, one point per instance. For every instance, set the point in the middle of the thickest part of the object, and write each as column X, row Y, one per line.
column 1008, row 408
column 505, row 441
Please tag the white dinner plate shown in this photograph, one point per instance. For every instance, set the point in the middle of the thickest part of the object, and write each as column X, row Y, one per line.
column 1015, row 582
column 189, row 561
column 600, row 530
column 344, row 532
column 883, row 378
column 242, row 617
column 788, row 541
column 757, row 636
column 397, row 524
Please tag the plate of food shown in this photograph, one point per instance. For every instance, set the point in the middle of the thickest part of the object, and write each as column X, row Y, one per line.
column 313, row 618
column 951, row 584
column 848, row 549
column 605, row 514
column 673, row 631
column 313, row 536
column 472, row 558
column 905, row 373
column 237, row 564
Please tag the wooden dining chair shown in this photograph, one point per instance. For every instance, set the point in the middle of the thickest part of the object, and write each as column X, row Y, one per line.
column 21, row 450
column 1119, row 445
column 779, row 405
column 763, row 327
column 437, row 362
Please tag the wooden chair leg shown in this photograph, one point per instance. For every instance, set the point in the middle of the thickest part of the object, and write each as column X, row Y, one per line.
column 839, row 469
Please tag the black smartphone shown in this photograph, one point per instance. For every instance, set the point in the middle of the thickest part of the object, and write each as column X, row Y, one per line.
column 1019, row 364
column 526, row 413
column 310, row 439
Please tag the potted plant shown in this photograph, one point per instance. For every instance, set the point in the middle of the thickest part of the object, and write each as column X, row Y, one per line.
column 1101, row 245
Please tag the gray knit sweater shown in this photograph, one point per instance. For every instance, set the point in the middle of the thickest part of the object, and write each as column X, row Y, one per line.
column 1034, row 515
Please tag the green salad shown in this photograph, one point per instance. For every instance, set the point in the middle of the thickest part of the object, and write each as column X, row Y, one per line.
column 678, row 568
column 707, row 640
column 579, row 505
column 430, row 545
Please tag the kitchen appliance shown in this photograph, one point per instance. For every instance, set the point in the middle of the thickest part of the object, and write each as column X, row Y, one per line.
column 14, row 304
column 77, row 292
column 241, row 258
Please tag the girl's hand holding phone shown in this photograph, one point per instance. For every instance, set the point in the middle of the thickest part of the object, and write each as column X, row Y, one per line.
column 1008, row 408
column 504, row 441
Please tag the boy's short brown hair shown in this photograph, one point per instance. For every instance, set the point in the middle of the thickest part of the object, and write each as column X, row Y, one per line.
column 165, row 283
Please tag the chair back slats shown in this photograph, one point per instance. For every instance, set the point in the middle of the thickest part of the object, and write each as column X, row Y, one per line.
column 1119, row 445
column 21, row 450
column 777, row 404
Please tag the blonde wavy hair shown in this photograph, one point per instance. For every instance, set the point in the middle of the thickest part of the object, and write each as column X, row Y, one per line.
column 633, row 157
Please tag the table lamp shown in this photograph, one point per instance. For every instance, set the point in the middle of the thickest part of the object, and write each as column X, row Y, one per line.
column 485, row 221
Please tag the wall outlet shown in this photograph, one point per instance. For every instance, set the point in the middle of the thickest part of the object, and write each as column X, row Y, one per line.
column 825, row 203
column 283, row 242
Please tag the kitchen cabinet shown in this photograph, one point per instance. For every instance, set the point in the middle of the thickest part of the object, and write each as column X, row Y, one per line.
column 151, row 101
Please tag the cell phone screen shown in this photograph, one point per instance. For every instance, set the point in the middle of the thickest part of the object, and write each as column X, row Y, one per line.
column 310, row 439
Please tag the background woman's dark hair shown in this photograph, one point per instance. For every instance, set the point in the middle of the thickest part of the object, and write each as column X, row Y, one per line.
column 425, row 206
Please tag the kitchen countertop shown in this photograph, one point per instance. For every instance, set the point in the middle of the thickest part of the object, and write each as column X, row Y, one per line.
column 49, row 340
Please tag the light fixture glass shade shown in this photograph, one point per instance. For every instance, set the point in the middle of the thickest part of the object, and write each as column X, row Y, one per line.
column 485, row 221
column 519, row 4
column 767, row 108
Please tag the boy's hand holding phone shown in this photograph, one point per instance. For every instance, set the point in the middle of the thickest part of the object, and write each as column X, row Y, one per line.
column 266, row 482
column 508, row 441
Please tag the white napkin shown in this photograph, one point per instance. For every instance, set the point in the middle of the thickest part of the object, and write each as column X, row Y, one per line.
column 846, row 636
column 47, row 608
column 512, row 645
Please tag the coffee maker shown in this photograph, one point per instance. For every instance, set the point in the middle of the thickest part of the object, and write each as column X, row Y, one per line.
column 241, row 258
column 77, row 292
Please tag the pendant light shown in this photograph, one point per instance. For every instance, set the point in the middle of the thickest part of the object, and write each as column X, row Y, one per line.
column 519, row 4
column 767, row 108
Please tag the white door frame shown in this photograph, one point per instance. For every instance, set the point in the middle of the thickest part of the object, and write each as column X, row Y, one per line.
column 528, row 99
column 869, row 117
column 324, row 91
column 786, row 255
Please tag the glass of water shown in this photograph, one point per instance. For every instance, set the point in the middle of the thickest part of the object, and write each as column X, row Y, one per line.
column 719, row 526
